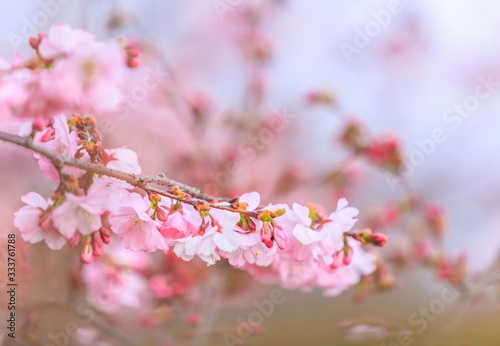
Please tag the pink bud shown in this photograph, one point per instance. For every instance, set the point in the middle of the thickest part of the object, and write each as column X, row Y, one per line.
column 97, row 244
column 45, row 221
column 266, row 234
column 337, row 260
column 347, row 256
column 48, row 136
column 161, row 214
column 132, row 50
column 86, row 253
column 378, row 239
column 33, row 42
column 41, row 36
column 280, row 237
column 134, row 62
column 39, row 123
column 105, row 235
column 75, row 239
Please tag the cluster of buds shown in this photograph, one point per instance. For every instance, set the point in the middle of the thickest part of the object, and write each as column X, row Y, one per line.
column 257, row 48
column 132, row 52
column 271, row 231
column 436, row 219
column 321, row 98
column 35, row 41
column 386, row 152
column 452, row 271
column 93, row 245
column 383, row 151
column 368, row 237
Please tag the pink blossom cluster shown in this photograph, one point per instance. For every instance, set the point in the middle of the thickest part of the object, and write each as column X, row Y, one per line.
column 295, row 246
column 71, row 73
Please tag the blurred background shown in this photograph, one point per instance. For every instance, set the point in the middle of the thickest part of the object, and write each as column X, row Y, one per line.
column 407, row 68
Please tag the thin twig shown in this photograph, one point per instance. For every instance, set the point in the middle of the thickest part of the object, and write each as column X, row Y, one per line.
column 139, row 181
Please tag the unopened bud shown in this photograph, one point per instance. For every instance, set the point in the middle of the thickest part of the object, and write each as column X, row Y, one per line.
column 75, row 239
column 347, row 256
column 338, row 258
column 161, row 214
column 134, row 62
column 97, row 244
column 33, row 43
column 266, row 234
column 105, row 235
column 48, row 136
column 280, row 237
column 378, row 239
column 86, row 253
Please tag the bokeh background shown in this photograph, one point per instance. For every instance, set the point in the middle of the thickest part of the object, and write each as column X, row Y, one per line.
column 429, row 56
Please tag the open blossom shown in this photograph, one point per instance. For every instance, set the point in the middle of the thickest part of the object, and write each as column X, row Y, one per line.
column 89, row 72
column 110, row 289
column 82, row 213
column 91, row 76
column 123, row 159
column 251, row 251
column 62, row 39
column 80, row 75
column 65, row 142
column 133, row 224
column 206, row 246
column 13, row 91
column 34, row 229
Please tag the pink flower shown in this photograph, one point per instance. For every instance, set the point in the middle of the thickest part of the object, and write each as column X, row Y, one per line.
column 13, row 91
column 32, row 229
column 65, row 143
column 134, row 226
column 280, row 237
column 252, row 199
column 92, row 77
column 176, row 226
column 222, row 237
column 123, row 159
column 62, row 39
column 83, row 213
column 251, row 250
column 111, row 290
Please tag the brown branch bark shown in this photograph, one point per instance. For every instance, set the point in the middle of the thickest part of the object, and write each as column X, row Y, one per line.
column 137, row 180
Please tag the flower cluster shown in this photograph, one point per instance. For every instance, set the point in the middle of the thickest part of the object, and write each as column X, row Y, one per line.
column 71, row 73
column 296, row 245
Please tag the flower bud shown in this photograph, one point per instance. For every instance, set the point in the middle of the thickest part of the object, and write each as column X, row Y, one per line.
column 266, row 234
column 247, row 223
column 48, row 136
column 347, row 255
column 378, row 239
column 97, row 244
column 338, row 258
column 436, row 218
column 86, row 253
column 33, row 42
column 161, row 214
column 280, row 237
column 105, row 235
column 75, row 239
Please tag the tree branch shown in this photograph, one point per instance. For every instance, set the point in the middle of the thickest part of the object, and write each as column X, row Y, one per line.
column 139, row 181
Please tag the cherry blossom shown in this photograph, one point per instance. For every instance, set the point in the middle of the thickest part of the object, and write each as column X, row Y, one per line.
column 34, row 226
column 83, row 213
column 138, row 231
